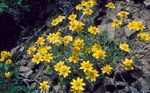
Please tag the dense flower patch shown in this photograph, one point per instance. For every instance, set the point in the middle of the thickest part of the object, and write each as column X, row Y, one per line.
column 82, row 52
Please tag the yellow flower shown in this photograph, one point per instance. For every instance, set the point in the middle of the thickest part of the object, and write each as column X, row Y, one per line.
column 96, row 47
column 89, row 4
column 5, row 54
column 43, row 49
column 79, row 7
column 57, row 20
column 86, row 65
column 40, row 41
column 61, row 18
column 144, row 36
column 76, row 51
column 59, row 65
column 37, row 58
column 106, row 69
column 73, row 59
column 48, row 57
column 2, row 59
column 67, row 39
column 54, row 22
column 75, row 25
column 93, row 30
column 88, row 50
column 78, row 42
column 136, row 25
column 54, row 38
column 72, row 17
column 99, row 54
column 77, row 85
column 110, row 5
column 83, row 3
column 8, row 62
column 128, row 64
column 92, row 74
column 31, row 50
column 124, row 47
column 8, row 75
column 87, row 11
column 64, row 70
column 44, row 86
column 116, row 23
column 123, row 14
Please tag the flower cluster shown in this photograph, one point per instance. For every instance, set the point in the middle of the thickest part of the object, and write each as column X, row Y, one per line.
column 57, row 20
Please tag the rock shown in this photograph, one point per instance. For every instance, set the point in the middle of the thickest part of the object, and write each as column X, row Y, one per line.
column 14, row 49
column 31, row 64
column 144, row 84
column 147, row 3
column 59, row 89
column 24, row 69
column 22, row 62
column 33, row 85
column 109, row 28
column 26, row 74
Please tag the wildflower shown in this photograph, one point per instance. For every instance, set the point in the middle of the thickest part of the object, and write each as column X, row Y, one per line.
column 76, row 51
column 136, row 25
column 92, row 74
column 86, row 65
column 77, row 85
column 64, row 70
column 96, row 47
column 31, row 50
column 110, row 5
column 54, row 38
column 79, row 7
column 116, row 23
column 124, row 47
column 72, row 17
column 75, row 25
column 61, row 18
column 54, row 22
column 144, row 36
column 78, row 42
column 123, row 14
column 44, row 86
column 93, row 30
column 8, row 75
column 67, row 39
column 48, row 57
column 99, row 54
column 87, row 11
column 2, row 59
column 106, row 69
column 57, row 20
column 43, row 49
column 59, row 65
column 128, row 64
column 8, row 62
column 37, row 58
column 88, row 50
column 40, row 41
column 89, row 4
column 73, row 59
column 5, row 54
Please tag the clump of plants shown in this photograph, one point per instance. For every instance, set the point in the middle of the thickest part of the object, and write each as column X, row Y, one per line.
column 9, row 76
column 81, row 53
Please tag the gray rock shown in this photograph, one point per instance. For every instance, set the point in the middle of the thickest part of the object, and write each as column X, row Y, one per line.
column 147, row 2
